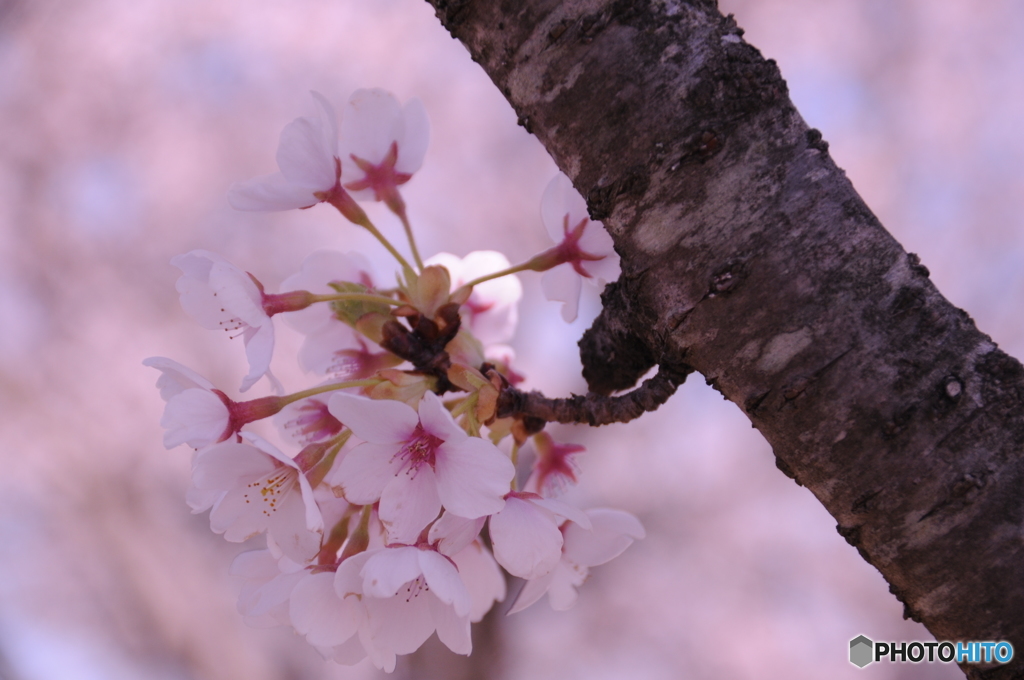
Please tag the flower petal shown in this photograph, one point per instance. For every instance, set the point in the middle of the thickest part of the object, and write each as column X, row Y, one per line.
column 408, row 504
column 288, row 523
column 452, row 629
column 444, row 581
column 318, row 613
column 452, row 533
column 386, row 571
column 268, row 448
column 328, row 123
column 196, row 417
column 318, row 270
column 349, row 653
column 270, row 193
column 399, row 625
column 415, row 137
column 472, row 477
column 562, row 591
column 175, row 378
column 483, row 578
column 532, row 591
column 563, row 511
column 613, row 532
column 236, row 291
column 221, row 466
column 438, row 421
column 367, row 129
column 562, row 284
column 303, row 158
column 259, row 349
column 560, row 198
column 525, row 539
column 347, row 579
column 365, row 471
column 382, row 421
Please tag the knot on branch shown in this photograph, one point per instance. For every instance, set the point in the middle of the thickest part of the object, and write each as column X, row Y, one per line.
column 423, row 343
column 593, row 409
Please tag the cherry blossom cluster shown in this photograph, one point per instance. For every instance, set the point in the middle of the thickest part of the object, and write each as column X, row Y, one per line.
column 400, row 510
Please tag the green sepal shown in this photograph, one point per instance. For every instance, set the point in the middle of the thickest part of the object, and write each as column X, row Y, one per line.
column 349, row 311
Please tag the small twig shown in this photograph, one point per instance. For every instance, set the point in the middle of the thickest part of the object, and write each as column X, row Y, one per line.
column 594, row 409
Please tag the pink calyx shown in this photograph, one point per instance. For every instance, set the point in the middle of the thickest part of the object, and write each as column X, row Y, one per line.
column 382, row 179
column 568, row 250
column 241, row 413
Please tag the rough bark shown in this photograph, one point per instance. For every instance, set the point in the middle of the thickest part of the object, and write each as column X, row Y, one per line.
column 747, row 255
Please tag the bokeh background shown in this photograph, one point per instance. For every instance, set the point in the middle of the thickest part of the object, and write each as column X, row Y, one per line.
column 122, row 123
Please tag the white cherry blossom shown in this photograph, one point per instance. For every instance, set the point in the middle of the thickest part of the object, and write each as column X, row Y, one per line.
column 554, row 467
column 611, row 532
column 330, row 345
column 328, row 621
column 483, row 579
column 584, row 250
column 307, row 155
column 196, row 413
column 383, row 144
column 408, row 592
column 525, row 533
column 220, row 296
column 267, row 582
column 417, row 463
column 307, row 421
column 492, row 310
column 262, row 490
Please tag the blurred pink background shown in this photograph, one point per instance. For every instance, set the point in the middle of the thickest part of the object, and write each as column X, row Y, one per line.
column 123, row 123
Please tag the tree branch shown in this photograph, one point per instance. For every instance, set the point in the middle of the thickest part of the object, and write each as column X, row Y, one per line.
column 594, row 409
column 747, row 255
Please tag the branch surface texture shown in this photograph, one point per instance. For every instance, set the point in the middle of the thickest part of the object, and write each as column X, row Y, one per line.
column 747, row 255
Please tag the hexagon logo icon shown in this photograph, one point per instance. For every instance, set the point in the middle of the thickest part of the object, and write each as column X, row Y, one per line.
column 860, row 651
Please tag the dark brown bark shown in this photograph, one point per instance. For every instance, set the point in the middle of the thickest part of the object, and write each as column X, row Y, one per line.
column 747, row 255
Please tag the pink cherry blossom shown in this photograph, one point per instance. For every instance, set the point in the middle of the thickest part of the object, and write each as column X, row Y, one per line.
column 262, row 490
column 611, row 532
column 417, row 463
column 451, row 533
column 457, row 537
column 409, row 592
column 585, row 250
column 198, row 414
column 483, row 579
column 307, row 156
column 492, row 310
column 307, row 421
column 383, row 144
column 525, row 533
column 328, row 621
column 220, row 296
column 331, row 345
column 267, row 582
column 555, row 466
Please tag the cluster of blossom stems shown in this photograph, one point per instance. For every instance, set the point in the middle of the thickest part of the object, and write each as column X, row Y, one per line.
column 406, row 498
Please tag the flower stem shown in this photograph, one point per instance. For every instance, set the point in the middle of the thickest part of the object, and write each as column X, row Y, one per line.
column 397, row 206
column 529, row 265
column 351, row 211
column 366, row 297
column 410, row 273
column 313, row 391
column 463, row 405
